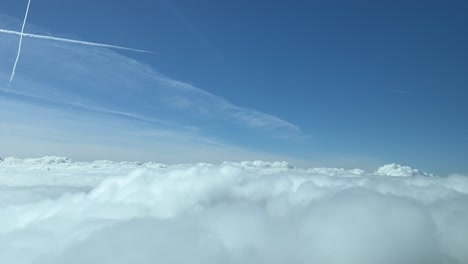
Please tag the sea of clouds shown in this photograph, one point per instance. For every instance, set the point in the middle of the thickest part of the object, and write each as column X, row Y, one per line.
column 55, row 210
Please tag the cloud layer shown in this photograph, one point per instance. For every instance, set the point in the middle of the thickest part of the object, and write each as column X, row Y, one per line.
column 55, row 210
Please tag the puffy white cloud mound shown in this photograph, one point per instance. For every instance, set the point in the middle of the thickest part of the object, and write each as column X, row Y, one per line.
column 44, row 160
column 398, row 170
column 248, row 212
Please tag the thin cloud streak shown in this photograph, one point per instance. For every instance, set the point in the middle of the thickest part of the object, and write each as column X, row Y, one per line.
column 71, row 107
column 398, row 91
column 198, row 107
column 19, row 46
column 248, row 117
column 29, row 35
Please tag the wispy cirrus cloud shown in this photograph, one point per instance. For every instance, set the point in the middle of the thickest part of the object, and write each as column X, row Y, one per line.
column 31, row 131
column 399, row 91
column 103, row 79
column 255, row 119
column 94, row 82
column 247, row 117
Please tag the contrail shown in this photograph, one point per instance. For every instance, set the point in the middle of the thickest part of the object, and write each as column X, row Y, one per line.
column 398, row 91
column 11, row 32
column 19, row 46
column 71, row 107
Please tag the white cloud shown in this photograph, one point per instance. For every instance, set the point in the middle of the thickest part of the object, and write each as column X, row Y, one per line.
column 398, row 170
column 90, row 103
column 32, row 131
column 58, row 211
column 104, row 80
column 254, row 119
column 12, row 32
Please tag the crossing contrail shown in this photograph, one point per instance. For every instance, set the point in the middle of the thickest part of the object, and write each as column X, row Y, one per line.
column 12, row 32
column 71, row 107
column 19, row 45
column 22, row 34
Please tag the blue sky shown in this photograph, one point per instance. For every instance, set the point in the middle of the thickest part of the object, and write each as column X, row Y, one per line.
column 317, row 83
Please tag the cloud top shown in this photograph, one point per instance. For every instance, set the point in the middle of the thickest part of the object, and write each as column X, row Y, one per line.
column 60, row 211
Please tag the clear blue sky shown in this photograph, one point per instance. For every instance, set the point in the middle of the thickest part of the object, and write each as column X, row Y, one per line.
column 352, row 83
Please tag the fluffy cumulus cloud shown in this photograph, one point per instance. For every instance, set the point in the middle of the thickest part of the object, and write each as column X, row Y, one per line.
column 55, row 210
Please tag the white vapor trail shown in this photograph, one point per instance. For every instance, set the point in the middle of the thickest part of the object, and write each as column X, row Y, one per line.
column 75, row 104
column 19, row 45
column 398, row 91
column 11, row 32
